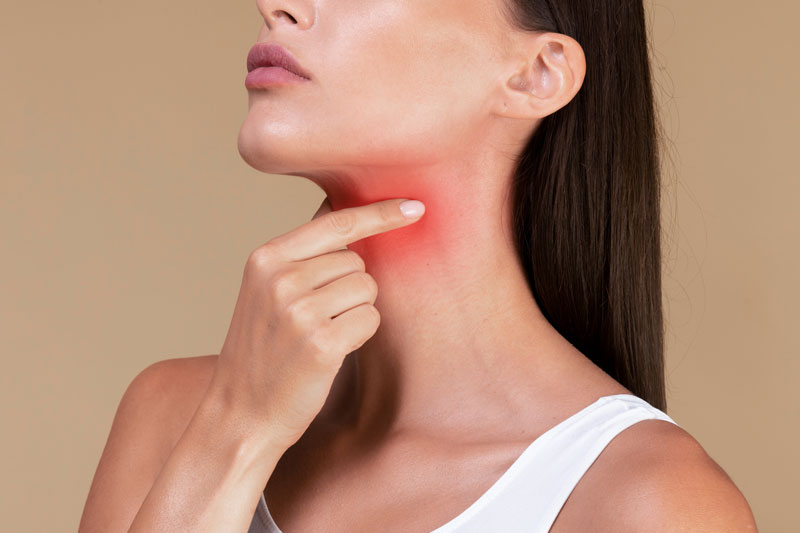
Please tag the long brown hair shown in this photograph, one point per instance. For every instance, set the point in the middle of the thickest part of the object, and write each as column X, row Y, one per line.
column 586, row 196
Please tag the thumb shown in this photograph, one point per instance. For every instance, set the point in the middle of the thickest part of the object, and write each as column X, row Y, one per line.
column 325, row 207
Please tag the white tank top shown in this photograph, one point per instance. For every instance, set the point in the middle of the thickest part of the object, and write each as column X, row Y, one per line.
column 529, row 495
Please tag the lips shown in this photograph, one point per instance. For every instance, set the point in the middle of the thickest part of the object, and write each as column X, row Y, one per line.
column 274, row 55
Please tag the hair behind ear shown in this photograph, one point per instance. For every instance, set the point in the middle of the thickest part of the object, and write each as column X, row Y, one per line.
column 587, row 196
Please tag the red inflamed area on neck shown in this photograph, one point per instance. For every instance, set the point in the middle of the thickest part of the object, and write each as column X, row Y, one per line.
column 408, row 247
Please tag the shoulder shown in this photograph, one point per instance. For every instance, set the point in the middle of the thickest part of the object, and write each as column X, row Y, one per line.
column 661, row 479
column 152, row 414
column 176, row 376
column 164, row 396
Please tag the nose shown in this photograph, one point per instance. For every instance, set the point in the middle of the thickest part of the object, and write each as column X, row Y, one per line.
column 291, row 12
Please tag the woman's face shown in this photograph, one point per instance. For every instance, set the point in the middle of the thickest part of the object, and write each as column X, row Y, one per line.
column 394, row 83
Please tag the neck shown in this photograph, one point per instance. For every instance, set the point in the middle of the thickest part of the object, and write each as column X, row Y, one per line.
column 460, row 331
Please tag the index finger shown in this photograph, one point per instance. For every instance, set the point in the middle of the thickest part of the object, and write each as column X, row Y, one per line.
column 337, row 229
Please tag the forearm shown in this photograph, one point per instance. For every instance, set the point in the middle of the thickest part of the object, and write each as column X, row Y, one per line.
column 213, row 477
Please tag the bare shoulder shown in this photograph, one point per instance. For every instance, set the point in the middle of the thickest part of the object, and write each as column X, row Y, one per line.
column 164, row 397
column 654, row 476
column 152, row 414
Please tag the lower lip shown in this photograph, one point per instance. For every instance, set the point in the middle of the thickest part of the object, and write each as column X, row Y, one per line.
column 266, row 76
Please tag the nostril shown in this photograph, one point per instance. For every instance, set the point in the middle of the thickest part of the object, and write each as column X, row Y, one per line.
column 279, row 14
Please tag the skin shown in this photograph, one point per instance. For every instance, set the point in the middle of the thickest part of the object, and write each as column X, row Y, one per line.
column 451, row 283
column 434, row 101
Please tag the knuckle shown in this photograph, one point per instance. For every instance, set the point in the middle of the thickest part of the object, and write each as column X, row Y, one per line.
column 301, row 311
column 341, row 222
column 322, row 345
column 282, row 286
column 387, row 212
column 259, row 258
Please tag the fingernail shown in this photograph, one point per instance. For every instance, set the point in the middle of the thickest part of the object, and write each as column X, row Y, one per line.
column 412, row 208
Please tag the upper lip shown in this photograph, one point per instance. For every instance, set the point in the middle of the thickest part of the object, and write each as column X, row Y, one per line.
column 271, row 54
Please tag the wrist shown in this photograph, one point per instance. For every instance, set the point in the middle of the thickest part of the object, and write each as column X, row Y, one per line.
column 250, row 435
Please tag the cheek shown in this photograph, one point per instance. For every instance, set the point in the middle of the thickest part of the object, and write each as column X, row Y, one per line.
column 418, row 111
column 412, row 93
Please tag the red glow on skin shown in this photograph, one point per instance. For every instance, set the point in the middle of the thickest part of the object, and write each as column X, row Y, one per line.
column 436, row 250
column 451, row 288
column 451, row 281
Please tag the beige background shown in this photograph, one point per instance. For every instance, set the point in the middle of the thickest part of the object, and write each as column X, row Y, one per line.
column 126, row 215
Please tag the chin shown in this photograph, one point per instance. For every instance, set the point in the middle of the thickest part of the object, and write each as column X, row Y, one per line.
column 265, row 149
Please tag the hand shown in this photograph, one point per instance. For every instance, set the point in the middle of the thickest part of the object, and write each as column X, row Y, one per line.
column 305, row 303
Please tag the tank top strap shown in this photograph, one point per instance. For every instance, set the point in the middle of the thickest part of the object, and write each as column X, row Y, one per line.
column 529, row 498
column 529, row 495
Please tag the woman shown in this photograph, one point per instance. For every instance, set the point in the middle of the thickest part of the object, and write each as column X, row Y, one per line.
column 494, row 363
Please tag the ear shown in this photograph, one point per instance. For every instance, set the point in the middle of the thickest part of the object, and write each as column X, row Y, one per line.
column 549, row 74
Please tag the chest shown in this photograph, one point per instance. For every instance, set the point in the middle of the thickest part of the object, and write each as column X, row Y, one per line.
column 397, row 493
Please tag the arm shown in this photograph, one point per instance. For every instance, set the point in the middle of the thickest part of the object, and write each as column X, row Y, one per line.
column 213, row 478
column 163, row 426
column 304, row 304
